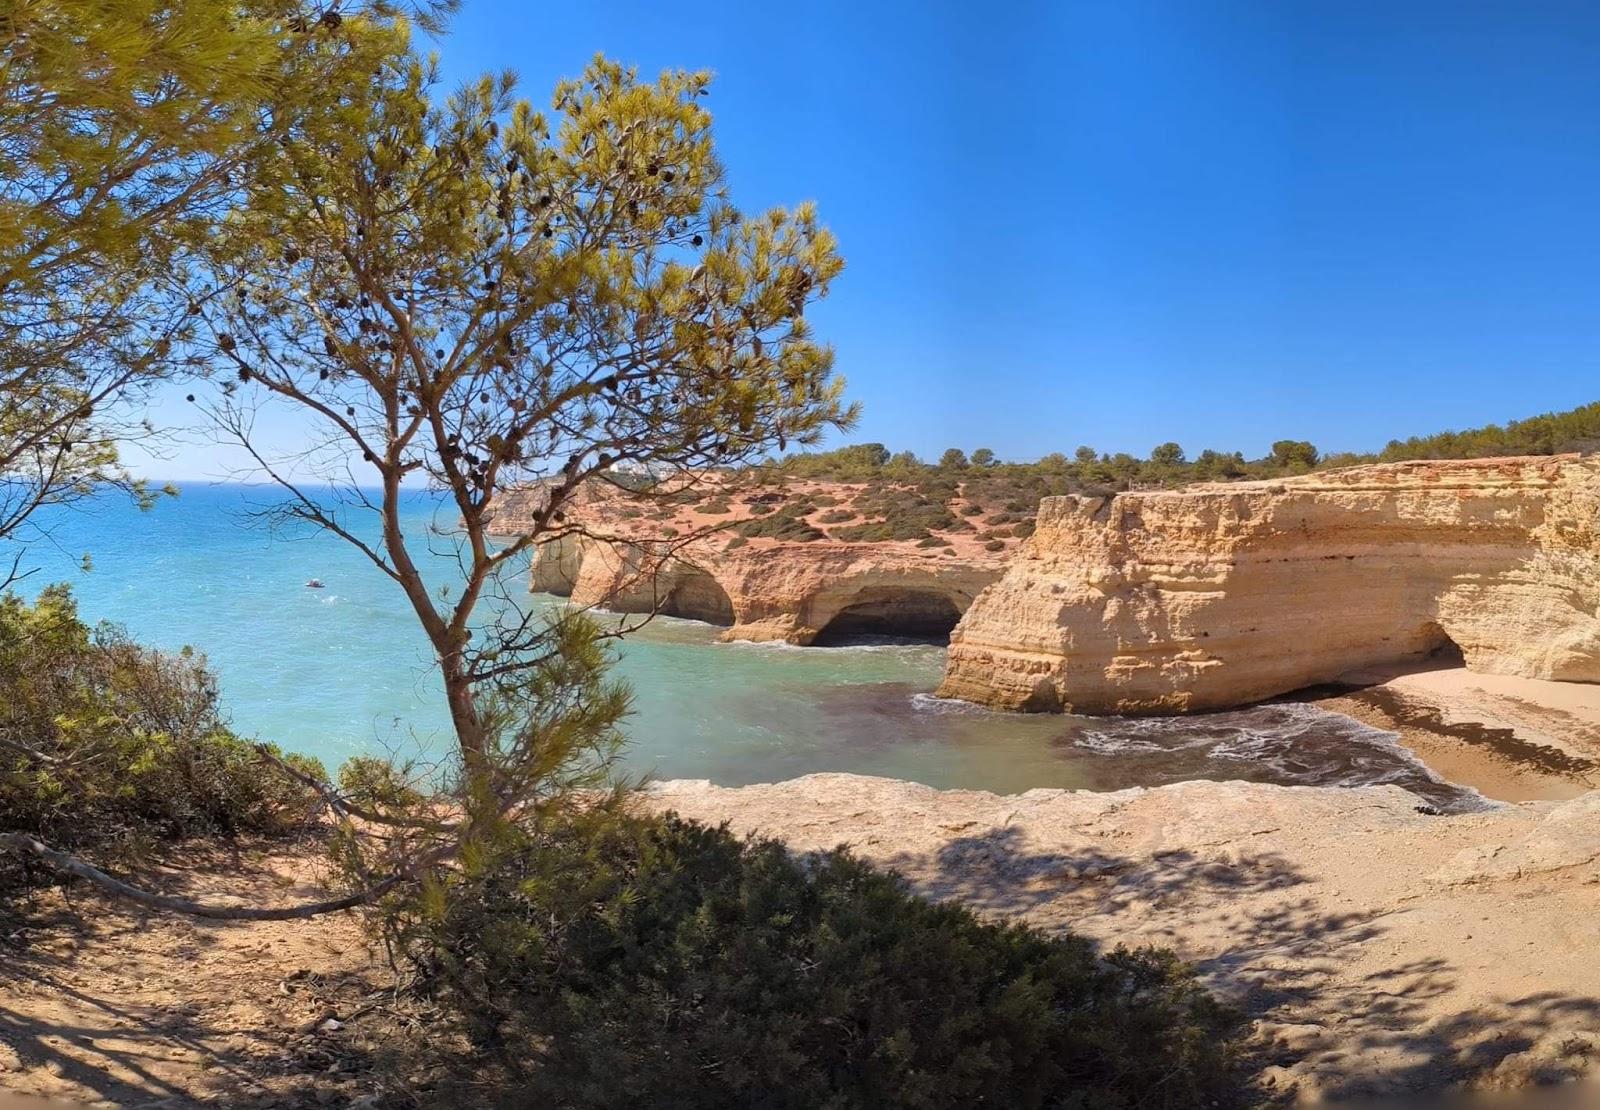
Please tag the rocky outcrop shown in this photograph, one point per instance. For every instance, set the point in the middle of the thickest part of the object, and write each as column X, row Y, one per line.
column 1220, row 595
column 794, row 592
column 1335, row 917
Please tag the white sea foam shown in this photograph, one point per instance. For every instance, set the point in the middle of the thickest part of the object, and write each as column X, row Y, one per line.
column 1293, row 743
column 1109, row 744
column 928, row 703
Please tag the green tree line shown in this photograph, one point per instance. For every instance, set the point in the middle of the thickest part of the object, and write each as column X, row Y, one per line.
column 1168, row 464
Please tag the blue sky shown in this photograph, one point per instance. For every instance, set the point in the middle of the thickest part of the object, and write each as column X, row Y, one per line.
column 1121, row 223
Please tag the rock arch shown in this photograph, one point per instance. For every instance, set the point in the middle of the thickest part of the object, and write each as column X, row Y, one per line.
column 1439, row 648
column 695, row 595
column 919, row 612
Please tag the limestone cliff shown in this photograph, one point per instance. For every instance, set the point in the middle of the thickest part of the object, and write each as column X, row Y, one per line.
column 761, row 588
column 1218, row 595
column 777, row 591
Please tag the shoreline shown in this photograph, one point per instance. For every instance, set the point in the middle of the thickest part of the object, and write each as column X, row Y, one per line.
column 1511, row 739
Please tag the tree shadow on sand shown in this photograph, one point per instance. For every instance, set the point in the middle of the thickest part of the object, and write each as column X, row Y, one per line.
column 1249, row 924
column 100, row 1000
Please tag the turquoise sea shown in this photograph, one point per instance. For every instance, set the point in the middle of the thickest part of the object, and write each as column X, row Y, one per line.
column 342, row 670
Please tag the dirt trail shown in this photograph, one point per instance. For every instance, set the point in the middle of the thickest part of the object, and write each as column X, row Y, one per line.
column 109, row 1005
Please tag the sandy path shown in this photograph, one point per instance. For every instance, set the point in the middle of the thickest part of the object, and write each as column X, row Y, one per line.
column 1379, row 949
column 111, row 1006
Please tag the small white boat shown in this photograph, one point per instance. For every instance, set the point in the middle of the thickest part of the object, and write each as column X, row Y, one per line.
column 314, row 584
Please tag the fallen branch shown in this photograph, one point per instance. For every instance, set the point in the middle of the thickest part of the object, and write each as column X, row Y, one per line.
column 71, row 865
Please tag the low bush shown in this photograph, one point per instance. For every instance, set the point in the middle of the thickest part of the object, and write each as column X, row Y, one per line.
column 995, row 545
column 106, row 744
column 662, row 963
column 781, row 525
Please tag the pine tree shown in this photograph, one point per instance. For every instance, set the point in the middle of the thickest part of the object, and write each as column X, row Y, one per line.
column 123, row 128
column 468, row 294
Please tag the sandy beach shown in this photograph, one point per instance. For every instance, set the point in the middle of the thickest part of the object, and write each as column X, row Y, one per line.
column 1513, row 739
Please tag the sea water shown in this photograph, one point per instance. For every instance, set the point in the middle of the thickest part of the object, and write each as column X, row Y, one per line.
column 345, row 669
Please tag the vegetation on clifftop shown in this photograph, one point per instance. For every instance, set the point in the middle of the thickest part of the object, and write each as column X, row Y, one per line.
column 983, row 477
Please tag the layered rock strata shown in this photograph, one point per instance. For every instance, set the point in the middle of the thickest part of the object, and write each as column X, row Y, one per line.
column 793, row 592
column 1221, row 595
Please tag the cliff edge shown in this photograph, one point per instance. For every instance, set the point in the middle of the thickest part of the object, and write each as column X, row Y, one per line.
column 800, row 563
column 1221, row 595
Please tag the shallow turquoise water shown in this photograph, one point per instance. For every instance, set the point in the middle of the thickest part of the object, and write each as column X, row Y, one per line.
column 344, row 669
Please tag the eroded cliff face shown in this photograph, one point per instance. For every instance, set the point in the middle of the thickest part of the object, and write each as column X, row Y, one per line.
column 1220, row 595
column 759, row 588
column 791, row 592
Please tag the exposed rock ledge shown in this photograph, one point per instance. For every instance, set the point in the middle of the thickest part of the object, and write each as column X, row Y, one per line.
column 779, row 591
column 760, row 588
column 1377, row 946
column 1221, row 595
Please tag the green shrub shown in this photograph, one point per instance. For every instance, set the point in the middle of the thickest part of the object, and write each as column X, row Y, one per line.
column 782, row 525
column 837, row 516
column 107, row 744
column 872, row 531
column 1019, row 486
column 666, row 964
column 377, row 783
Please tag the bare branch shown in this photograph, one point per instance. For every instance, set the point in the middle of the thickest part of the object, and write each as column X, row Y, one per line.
column 72, row 865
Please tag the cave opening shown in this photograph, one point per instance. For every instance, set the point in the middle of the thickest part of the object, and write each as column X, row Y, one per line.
column 698, row 597
column 1439, row 651
column 898, row 613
